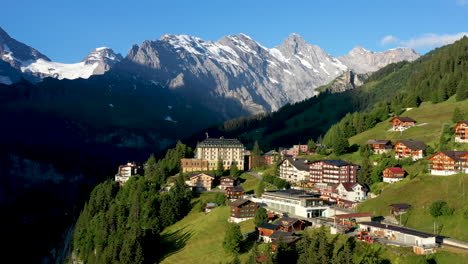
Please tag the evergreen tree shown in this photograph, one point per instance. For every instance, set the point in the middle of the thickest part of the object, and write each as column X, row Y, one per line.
column 256, row 150
column 261, row 216
column 364, row 174
column 220, row 198
column 234, row 171
column 457, row 115
column 220, row 168
column 254, row 254
column 311, row 144
column 260, row 189
column 462, row 89
column 341, row 145
column 232, row 239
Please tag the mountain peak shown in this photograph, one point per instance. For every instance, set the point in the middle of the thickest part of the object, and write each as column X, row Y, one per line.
column 102, row 54
column 359, row 50
column 295, row 38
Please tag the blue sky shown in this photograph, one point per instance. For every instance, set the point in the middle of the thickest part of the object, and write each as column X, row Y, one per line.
column 67, row 30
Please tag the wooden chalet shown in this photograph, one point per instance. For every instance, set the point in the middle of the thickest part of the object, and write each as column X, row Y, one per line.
column 410, row 148
column 461, row 131
column 448, row 162
column 234, row 193
column 228, row 181
column 380, row 146
column 393, row 174
column 265, row 230
column 289, row 224
column 201, row 182
column 401, row 123
column 242, row 209
column 398, row 209
column 289, row 238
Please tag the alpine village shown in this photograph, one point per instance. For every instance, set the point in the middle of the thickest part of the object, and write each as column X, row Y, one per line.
column 193, row 143
column 386, row 184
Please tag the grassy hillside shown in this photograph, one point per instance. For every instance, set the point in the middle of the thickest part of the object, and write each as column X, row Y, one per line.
column 198, row 238
column 430, row 121
column 420, row 193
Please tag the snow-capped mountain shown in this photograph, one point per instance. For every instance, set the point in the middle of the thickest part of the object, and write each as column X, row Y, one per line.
column 239, row 68
column 32, row 63
column 363, row 61
column 233, row 75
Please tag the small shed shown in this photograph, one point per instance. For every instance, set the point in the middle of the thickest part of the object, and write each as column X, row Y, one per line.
column 210, row 206
column 398, row 209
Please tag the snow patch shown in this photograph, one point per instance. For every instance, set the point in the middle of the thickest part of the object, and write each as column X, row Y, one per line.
column 273, row 81
column 169, row 106
column 278, row 55
column 168, row 118
column 62, row 70
column 288, row 72
column 111, row 105
column 322, row 66
column 304, row 62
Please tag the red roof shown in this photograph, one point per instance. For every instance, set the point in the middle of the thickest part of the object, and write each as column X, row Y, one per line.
column 341, row 216
column 396, row 170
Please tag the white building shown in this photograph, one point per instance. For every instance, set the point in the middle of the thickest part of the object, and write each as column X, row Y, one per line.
column 294, row 170
column 126, row 171
column 294, row 202
column 353, row 192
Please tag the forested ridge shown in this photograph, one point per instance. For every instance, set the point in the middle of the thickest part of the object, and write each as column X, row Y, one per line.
column 121, row 224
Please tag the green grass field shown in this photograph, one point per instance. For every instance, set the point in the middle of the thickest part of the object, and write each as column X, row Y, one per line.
column 198, row 237
column 420, row 193
column 250, row 183
column 434, row 115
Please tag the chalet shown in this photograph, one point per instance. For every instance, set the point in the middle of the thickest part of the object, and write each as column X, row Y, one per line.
column 398, row 209
column 191, row 165
column 409, row 148
column 209, row 207
column 461, row 131
column 289, row 224
column 265, row 230
column 294, row 170
column 348, row 194
column 242, row 209
column 266, row 159
column 332, row 171
column 393, row 174
column 295, row 151
column 421, row 242
column 288, row 238
column 448, row 162
column 233, row 193
column 201, row 182
column 126, row 171
column 380, row 146
column 228, row 181
column 401, row 123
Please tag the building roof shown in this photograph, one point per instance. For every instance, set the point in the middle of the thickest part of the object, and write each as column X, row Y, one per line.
column 220, row 143
column 348, row 186
column 235, row 189
column 269, row 226
column 229, row 177
column 286, row 239
column 287, row 221
column 413, row 144
column 355, row 215
column 300, row 164
column 292, row 193
column 239, row 202
column 196, row 174
column 378, row 142
column 395, row 170
column 211, row 205
column 337, row 163
column 271, row 153
column 401, row 206
column 404, row 119
column 463, row 121
column 454, row 155
column 278, row 234
column 398, row 229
